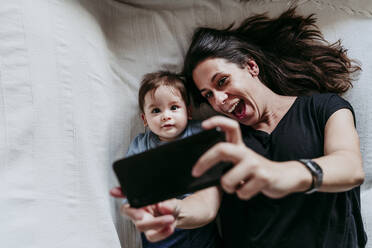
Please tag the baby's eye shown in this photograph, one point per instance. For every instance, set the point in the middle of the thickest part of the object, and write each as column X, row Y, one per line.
column 174, row 107
column 221, row 82
column 155, row 110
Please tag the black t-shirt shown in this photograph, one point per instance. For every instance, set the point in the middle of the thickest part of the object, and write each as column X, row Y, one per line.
column 328, row 220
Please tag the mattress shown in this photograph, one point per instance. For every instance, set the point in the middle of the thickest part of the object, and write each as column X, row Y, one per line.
column 69, row 75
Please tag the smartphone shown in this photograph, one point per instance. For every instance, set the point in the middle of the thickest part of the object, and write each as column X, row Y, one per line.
column 165, row 171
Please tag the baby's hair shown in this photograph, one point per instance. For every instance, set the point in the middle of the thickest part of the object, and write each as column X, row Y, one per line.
column 152, row 81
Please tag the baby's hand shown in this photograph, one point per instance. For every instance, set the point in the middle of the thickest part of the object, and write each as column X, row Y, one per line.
column 157, row 221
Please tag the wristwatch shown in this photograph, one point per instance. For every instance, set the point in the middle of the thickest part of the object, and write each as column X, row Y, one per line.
column 316, row 173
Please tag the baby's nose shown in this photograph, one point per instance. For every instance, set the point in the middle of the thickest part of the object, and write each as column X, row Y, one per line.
column 166, row 117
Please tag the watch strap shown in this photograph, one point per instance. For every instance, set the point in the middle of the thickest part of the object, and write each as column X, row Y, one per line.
column 316, row 173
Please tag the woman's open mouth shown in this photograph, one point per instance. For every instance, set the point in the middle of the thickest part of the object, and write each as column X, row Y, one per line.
column 239, row 109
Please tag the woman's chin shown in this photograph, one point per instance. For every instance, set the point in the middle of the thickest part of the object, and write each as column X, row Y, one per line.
column 243, row 119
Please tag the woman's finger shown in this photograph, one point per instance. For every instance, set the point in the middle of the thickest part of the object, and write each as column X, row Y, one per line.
column 229, row 126
column 221, row 152
column 157, row 235
column 133, row 213
column 233, row 179
column 168, row 207
column 249, row 166
column 250, row 188
column 155, row 223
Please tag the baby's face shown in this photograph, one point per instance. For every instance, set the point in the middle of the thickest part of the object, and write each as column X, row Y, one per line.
column 165, row 112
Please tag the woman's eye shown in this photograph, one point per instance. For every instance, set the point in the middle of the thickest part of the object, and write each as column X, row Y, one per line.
column 174, row 107
column 221, row 82
column 155, row 110
column 208, row 95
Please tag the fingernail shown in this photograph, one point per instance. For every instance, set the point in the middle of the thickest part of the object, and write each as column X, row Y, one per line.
column 124, row 201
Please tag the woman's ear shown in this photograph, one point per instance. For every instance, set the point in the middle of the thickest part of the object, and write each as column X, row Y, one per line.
column 252, row 67
column 144, row 119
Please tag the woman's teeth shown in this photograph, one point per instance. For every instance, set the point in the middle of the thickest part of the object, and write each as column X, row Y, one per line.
column 233, row 107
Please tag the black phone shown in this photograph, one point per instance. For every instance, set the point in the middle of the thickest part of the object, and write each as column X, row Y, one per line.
column 165, row 171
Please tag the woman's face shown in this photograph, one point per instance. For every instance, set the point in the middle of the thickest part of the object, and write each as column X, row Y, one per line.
column 230, row 89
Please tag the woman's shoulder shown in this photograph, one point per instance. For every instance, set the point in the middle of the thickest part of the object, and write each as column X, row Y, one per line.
column 323, row 105
column 326, row 96
column 325, row 100
column 322, row 97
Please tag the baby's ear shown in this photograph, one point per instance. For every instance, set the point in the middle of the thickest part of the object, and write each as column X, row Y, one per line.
column 189, row 115
column 144, row 119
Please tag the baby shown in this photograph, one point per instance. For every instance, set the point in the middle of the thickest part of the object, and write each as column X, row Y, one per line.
column 165, row 111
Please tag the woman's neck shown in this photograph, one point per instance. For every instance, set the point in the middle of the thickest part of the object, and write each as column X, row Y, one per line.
column 275, row 109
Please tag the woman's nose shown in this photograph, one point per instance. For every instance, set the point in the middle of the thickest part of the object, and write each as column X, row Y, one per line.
column 220, row 98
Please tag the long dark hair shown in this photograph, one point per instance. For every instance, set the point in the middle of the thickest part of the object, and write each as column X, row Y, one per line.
column 293, row 57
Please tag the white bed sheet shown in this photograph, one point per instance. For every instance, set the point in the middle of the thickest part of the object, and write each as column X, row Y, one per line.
column 69, row 75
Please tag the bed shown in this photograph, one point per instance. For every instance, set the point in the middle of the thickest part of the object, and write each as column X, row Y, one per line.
column 69, row 75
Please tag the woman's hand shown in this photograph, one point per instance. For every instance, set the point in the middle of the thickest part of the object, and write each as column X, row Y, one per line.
column 157, row 221
column 252, row 173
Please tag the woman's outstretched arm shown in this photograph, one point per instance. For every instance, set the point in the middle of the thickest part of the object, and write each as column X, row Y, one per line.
column 158, row 221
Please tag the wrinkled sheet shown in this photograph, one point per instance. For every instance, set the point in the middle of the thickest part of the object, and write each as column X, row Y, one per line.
column 69, row 75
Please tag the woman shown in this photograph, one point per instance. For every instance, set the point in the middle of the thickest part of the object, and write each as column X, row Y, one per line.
column 292, row 141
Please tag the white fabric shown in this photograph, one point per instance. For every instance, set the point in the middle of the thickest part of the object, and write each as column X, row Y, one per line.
column 351, row 7
column 69, row 74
